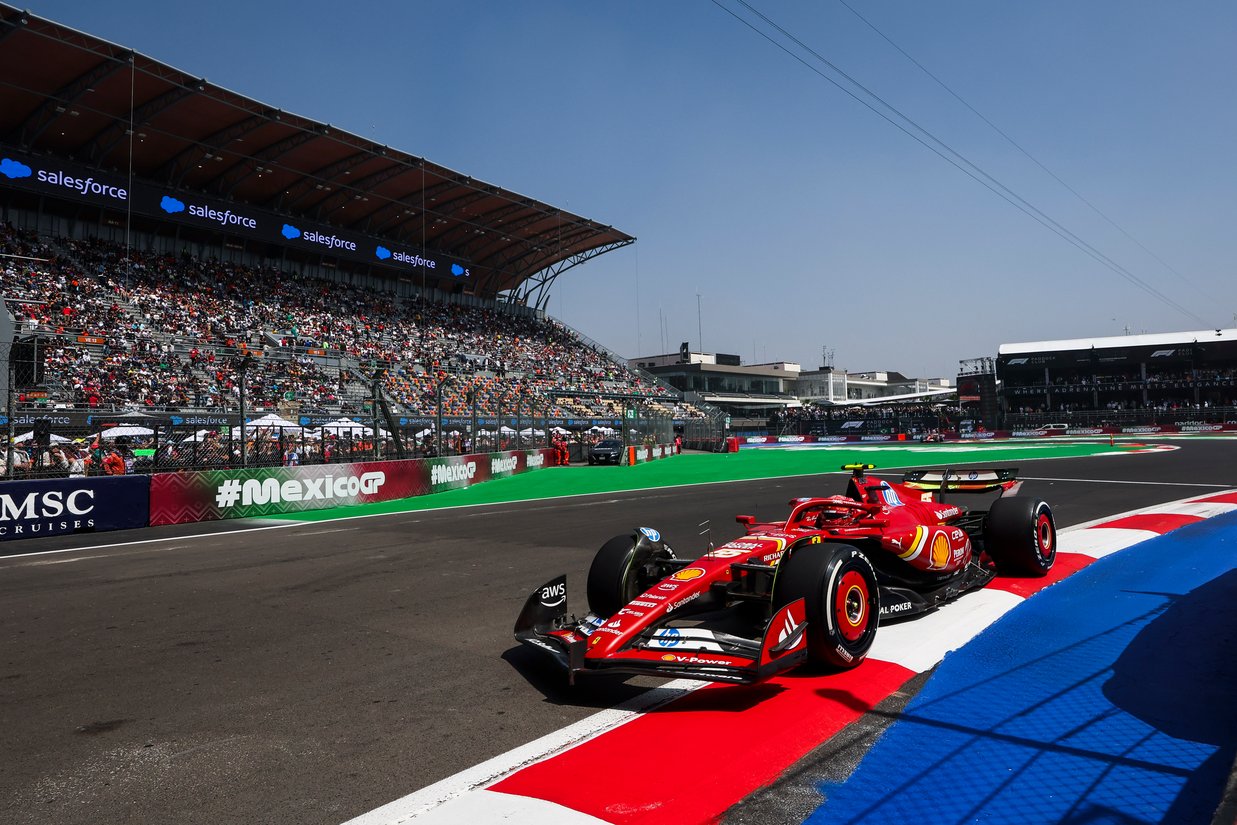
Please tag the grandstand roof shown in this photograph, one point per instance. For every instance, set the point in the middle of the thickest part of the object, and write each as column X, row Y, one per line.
column 73, row 95
column 1145, row 340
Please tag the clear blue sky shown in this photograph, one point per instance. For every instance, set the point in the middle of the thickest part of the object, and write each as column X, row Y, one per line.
column 801, row 219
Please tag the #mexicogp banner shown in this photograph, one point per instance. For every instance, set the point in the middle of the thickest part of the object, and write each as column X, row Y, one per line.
column 178, row 498
column 459, row 471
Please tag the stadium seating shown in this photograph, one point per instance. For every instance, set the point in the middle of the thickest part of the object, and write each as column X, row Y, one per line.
column 167, row 332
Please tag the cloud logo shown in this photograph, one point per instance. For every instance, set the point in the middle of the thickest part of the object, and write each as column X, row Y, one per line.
column 170, row 205
column 291, row 232
column 457, row 270
column 14, row 169
column 383, row 253
column 176, row 419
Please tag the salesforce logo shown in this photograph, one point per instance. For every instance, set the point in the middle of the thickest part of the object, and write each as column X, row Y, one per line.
column 13, row 169
column 225, row 217
column 383, row 253
column 458, row 270
column 331, row 241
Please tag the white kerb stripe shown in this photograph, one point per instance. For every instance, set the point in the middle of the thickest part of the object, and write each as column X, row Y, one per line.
column 492, row 770
column 1098, row 542
column 482, row 807
column 919, row 643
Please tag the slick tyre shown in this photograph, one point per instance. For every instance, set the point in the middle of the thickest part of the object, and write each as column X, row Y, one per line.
column 1020, row 535
column 841, row 600
column 620, row 571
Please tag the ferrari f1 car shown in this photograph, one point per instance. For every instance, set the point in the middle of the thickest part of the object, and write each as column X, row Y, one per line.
column 812, row 588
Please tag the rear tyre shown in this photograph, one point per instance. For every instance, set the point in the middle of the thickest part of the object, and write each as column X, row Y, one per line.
column 841, row 600
column 622, row 569
column 1020, row 535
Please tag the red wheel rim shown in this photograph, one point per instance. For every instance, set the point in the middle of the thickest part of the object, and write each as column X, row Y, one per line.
column 1044, row 533
column 850, row 605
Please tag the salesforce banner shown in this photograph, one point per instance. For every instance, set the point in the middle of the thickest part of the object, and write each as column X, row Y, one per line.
column 64, row 179
column 57, row 506
column 178, row 498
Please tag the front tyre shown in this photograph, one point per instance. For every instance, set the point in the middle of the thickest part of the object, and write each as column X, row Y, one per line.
column 1020, row 535
column 623, row 568
column 841, row 600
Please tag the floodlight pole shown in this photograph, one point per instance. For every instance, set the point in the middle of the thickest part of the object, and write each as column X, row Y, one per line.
column 242, row 367
column 8, row 411
column 376, row 378
column 472, row 433
column 438, row 415
column 519, row 409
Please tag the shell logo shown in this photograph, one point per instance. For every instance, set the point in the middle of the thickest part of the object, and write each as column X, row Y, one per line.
column 940, row 550
column 687, row 574
column 669, row 657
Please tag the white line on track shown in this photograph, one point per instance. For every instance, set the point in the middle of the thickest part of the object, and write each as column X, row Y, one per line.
column 1118, row 481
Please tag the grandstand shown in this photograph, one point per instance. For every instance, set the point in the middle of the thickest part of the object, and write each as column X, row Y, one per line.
column 172, row 247
column 1152, row 379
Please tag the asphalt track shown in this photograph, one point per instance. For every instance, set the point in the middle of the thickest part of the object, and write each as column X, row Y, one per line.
column 312, row 672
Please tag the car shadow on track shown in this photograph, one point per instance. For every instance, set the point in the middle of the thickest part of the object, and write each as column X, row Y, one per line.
column 590, row 691
column 605, row 690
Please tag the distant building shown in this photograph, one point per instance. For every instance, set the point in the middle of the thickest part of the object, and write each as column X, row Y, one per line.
column 755, row 391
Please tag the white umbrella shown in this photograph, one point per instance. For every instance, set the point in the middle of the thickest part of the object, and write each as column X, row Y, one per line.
column 425, row 432
column 274, row 421
column 56, row 439
column 344, row 425
column 125, row 429
column 560, row 430
column 505, row 430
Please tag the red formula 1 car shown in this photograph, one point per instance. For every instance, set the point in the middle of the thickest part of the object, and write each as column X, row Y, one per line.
column 811, row 588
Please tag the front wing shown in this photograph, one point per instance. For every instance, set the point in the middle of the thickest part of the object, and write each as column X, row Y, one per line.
column 675, row 653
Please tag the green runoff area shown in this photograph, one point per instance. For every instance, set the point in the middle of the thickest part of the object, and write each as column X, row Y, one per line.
column 706, row 468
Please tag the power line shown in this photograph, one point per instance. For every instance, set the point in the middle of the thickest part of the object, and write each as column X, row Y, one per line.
column 1020, row 148
column 945, row 151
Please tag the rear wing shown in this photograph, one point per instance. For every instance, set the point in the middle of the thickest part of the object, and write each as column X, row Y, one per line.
column 965, row 481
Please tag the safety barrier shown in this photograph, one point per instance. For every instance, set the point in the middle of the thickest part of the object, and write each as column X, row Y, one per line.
column 48, row 507
column 639, row 455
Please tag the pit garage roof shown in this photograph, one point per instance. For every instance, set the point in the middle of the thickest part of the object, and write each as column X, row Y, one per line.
column 69, row 94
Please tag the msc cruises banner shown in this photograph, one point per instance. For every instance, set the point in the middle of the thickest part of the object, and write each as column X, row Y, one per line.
column 56, row 506
column 52, row 176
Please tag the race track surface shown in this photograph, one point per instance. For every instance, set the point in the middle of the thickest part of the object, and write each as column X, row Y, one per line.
column 310, row 673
